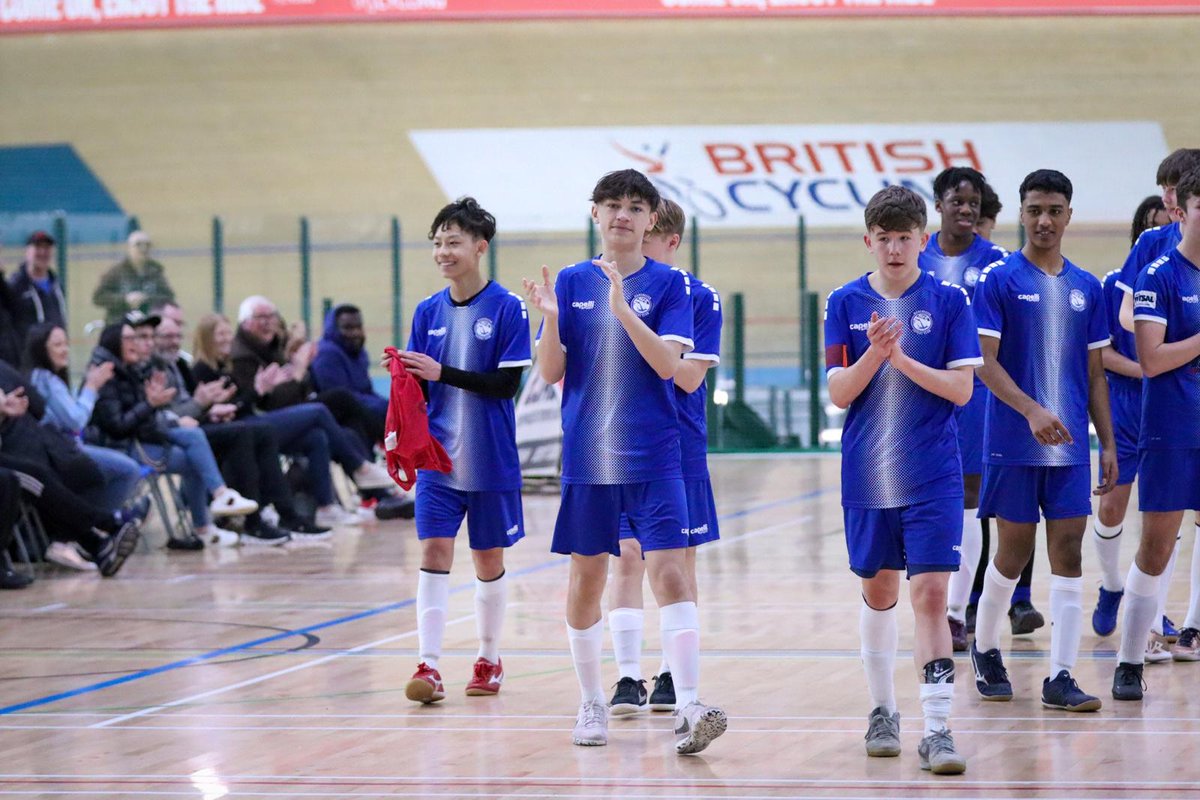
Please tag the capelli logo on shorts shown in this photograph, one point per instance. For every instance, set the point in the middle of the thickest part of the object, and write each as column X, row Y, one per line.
column 703, row 529
column 512, row 531
column 1144, row 299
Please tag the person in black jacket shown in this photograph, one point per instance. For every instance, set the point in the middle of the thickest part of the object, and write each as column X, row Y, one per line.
column 36, row 293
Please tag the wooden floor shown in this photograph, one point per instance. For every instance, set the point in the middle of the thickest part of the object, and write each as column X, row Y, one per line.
column 257, row 673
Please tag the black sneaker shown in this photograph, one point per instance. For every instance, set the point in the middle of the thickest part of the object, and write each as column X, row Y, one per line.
column 1064, row 693
column 1025, row 618
column 190, row 543
column 1127, row 682
column 991, row 678
column 663, row 696
column 302, row 526
column 112, row 556
column 312, row 533
column 11, row 579
column 267, row 535
column 629, row 698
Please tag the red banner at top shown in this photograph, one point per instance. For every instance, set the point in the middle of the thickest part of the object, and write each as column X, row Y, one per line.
column 56, row 15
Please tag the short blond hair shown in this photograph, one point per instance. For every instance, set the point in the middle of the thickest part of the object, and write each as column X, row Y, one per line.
column 671, row 219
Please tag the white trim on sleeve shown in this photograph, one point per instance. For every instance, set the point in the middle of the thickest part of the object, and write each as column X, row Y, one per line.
column 525, row 362
column 714, row 358
column 1098, row 345
column 976, row 361
column 989, row 332
column 1124, row 287
column 686, row 342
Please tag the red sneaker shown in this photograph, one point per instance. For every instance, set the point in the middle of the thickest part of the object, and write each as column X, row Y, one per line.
column 487, row 678
column 425, row 685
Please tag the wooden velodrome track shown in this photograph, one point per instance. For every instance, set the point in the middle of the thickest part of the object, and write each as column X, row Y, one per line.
column 280, row 674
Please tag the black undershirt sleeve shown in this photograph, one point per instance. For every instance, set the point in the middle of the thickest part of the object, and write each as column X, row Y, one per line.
column 501, row 384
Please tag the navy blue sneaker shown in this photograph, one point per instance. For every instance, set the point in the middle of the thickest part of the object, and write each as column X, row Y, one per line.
column 991, row 678
column 1169, row 631
column 1064, row 693
column 1104, row 618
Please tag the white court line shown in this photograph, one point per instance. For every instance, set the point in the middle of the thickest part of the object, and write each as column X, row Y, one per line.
column 682, row 791
column 114, row 725
column 277, row 673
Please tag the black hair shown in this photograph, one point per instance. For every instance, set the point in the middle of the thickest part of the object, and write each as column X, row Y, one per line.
column 626, row 183
column 37, row 353
column 1145, row 212
column 950, row 178
column 345, row 308
column 110, row 338
column 895, row 209
column 990, row 206
column 1187, row 188
column 1050, row 181
column 469, row 216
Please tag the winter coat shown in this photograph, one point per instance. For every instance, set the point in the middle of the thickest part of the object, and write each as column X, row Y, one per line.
column 32, row 305
column 123, row 278
column 338, row 366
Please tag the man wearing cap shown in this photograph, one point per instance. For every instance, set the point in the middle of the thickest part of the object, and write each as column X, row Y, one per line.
column 137, row 283
column 37, row 295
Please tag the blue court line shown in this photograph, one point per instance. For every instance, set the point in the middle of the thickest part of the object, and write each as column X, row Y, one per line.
column 225, row 651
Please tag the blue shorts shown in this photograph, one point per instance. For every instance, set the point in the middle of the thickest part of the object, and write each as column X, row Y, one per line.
column 1015, row 492
column 1169, row 480
column 923, row 537
column 701, row 510
column 494, row 519
column 1125, row 400
column 970, row 430
column 589, row 518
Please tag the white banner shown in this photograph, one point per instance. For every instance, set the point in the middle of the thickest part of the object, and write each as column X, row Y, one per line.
column 539, row 179
column 539, row 427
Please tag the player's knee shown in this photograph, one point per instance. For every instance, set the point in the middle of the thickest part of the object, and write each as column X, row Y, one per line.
column 437, row 554
column 489, row 564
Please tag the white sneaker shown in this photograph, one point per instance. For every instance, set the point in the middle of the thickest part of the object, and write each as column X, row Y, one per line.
column 591, row 724
column 229, row 503
column 269, row 515
column 215, row 535
column 334, row 516
column 1157, row 649
column 65, row 555
column 696, row 725
column 372, row 476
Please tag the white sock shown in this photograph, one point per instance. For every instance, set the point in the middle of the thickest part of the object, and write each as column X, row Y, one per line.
column 681, row 643
column 880, row 638
column 993, row 606
column 491, row 598
column 1193, row 615
column 626, row 625
column 1066, row 616
column 586, row 646
column 1108, row 548
column 937, row 694
column 1164, row 585
column 960, row 582
column 1141, row 602
column 433, row 599
column 664, row 668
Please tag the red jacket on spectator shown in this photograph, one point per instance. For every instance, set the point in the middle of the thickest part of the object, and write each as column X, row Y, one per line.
column 407, row 441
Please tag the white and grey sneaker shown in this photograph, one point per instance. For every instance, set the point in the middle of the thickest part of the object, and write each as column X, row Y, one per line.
column 591, row 724
column 883, row 733
column 696, row 725
column 938, row 755
column 66, row 555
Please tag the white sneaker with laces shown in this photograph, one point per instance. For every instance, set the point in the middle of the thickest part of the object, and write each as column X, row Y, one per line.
column 591, row 724
column 65, row 555
column 228, row 503
column 372, row 476
column 696, row 725
column 221, row 537
column 335, row 516
column 1157, row 649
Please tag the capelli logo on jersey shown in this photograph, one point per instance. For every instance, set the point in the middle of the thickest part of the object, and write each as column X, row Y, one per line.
column 1077, row 299
column 436, row 331
column 1190, row 298
column 584, row 305
column 859, row 326
column 1030, row 298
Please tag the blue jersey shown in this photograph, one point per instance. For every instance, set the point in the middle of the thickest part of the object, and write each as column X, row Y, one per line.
column 963, row 269
column 1168, row 293
column 620, row 422
column 693, row 407
column 1151, row 244
column 489, row 332
column 900, row 442
column 1046, row 326
column 1122, row 340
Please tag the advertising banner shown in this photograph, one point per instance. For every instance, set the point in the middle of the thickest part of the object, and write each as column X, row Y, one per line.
column 45, row 15
column 740, row 176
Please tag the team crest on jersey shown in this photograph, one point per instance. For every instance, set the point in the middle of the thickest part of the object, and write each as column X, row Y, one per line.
column 921, row 322
column 1077, row 299
column 971, row 276
column 484, row 329
column 641, row 304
